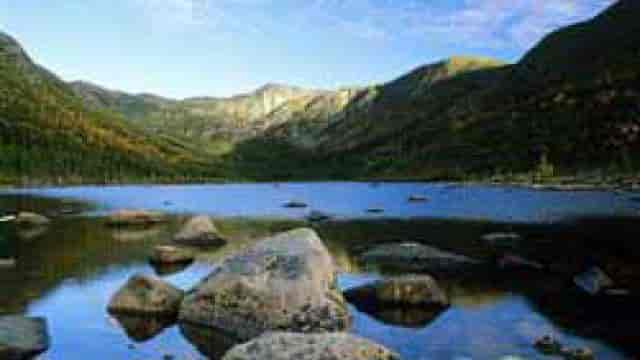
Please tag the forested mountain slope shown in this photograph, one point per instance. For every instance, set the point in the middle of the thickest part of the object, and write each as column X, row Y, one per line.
column 47, row 134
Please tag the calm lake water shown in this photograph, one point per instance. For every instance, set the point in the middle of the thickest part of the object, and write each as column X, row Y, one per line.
column 68, row 270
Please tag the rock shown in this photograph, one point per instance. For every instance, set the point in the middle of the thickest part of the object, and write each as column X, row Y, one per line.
column 7, row 218
column 7, row 263
column 142, row 328
column 171, row 255
column 548, row 345
column 593, row 281
column 22, row 338
column 580, row 354
column 289, row 346
column 286, row 282
column 418, row 198
column 407, row 290
column 199, row 231
column 409, row 301
column 295, row 204
column 374, row 210
column 512, row 261
column 31, row 219
column 135, row 218
column 502, row 240
column 418, row 257
column 318, row 216
column 142, row 295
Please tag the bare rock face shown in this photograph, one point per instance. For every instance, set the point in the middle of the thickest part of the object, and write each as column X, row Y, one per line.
column 135, row 217
column 199, row 231
column 286, row 282
column 289, row 346
column 142, row 295
column 418, row 257
column 22, row 338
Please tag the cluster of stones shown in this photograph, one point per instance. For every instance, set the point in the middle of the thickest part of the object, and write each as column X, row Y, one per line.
column 278, row 295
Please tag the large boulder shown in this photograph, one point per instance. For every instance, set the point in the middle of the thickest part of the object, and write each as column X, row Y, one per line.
column 418, row 257
column 135, row 218
column 290, row 346
column 286, row 282
column 22, row 338
column 199, row 231
column 31, row 219
column 171, row 255
column 143, row 295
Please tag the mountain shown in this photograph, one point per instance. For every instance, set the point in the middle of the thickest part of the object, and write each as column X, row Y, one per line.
column 47, row 135
column 569, row 106
column 206, row 118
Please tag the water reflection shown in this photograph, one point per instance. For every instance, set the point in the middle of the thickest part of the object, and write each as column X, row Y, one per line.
column 69, row 273
column 142, row 328
column 212, row 343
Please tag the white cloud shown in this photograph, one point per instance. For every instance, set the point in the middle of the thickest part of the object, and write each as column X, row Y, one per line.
column 494, row 24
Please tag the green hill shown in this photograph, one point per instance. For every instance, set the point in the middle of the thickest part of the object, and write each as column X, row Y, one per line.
column 569, row 106
column 47, row 134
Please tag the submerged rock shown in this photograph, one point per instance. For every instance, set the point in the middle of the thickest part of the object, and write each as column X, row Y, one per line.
column 143, row 328
column 289, row 346
column 593, row 281
column 513, row 261
column 418, row 257
column 318, row 216
column 286, row 282
column 199, row 231
column 502, row 240
column 31, row 219
column 418, row 198
column 142, row 295
column 375, row 210
column 22, row 338
column 135, row 218
column 171, row 255
column 295, row 204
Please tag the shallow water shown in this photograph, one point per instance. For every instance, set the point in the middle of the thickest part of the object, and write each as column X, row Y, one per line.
column 68, row 271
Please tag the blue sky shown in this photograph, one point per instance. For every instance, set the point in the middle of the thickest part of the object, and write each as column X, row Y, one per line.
column 183, row 48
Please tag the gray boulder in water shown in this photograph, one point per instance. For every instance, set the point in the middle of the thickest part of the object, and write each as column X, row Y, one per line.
column 418, row 257
column 143, row 295
column 199, row 231
column 289, row 346
column 22, row 338
column 286, row 282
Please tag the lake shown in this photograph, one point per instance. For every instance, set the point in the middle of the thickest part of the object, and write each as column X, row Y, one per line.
column 67, row 271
